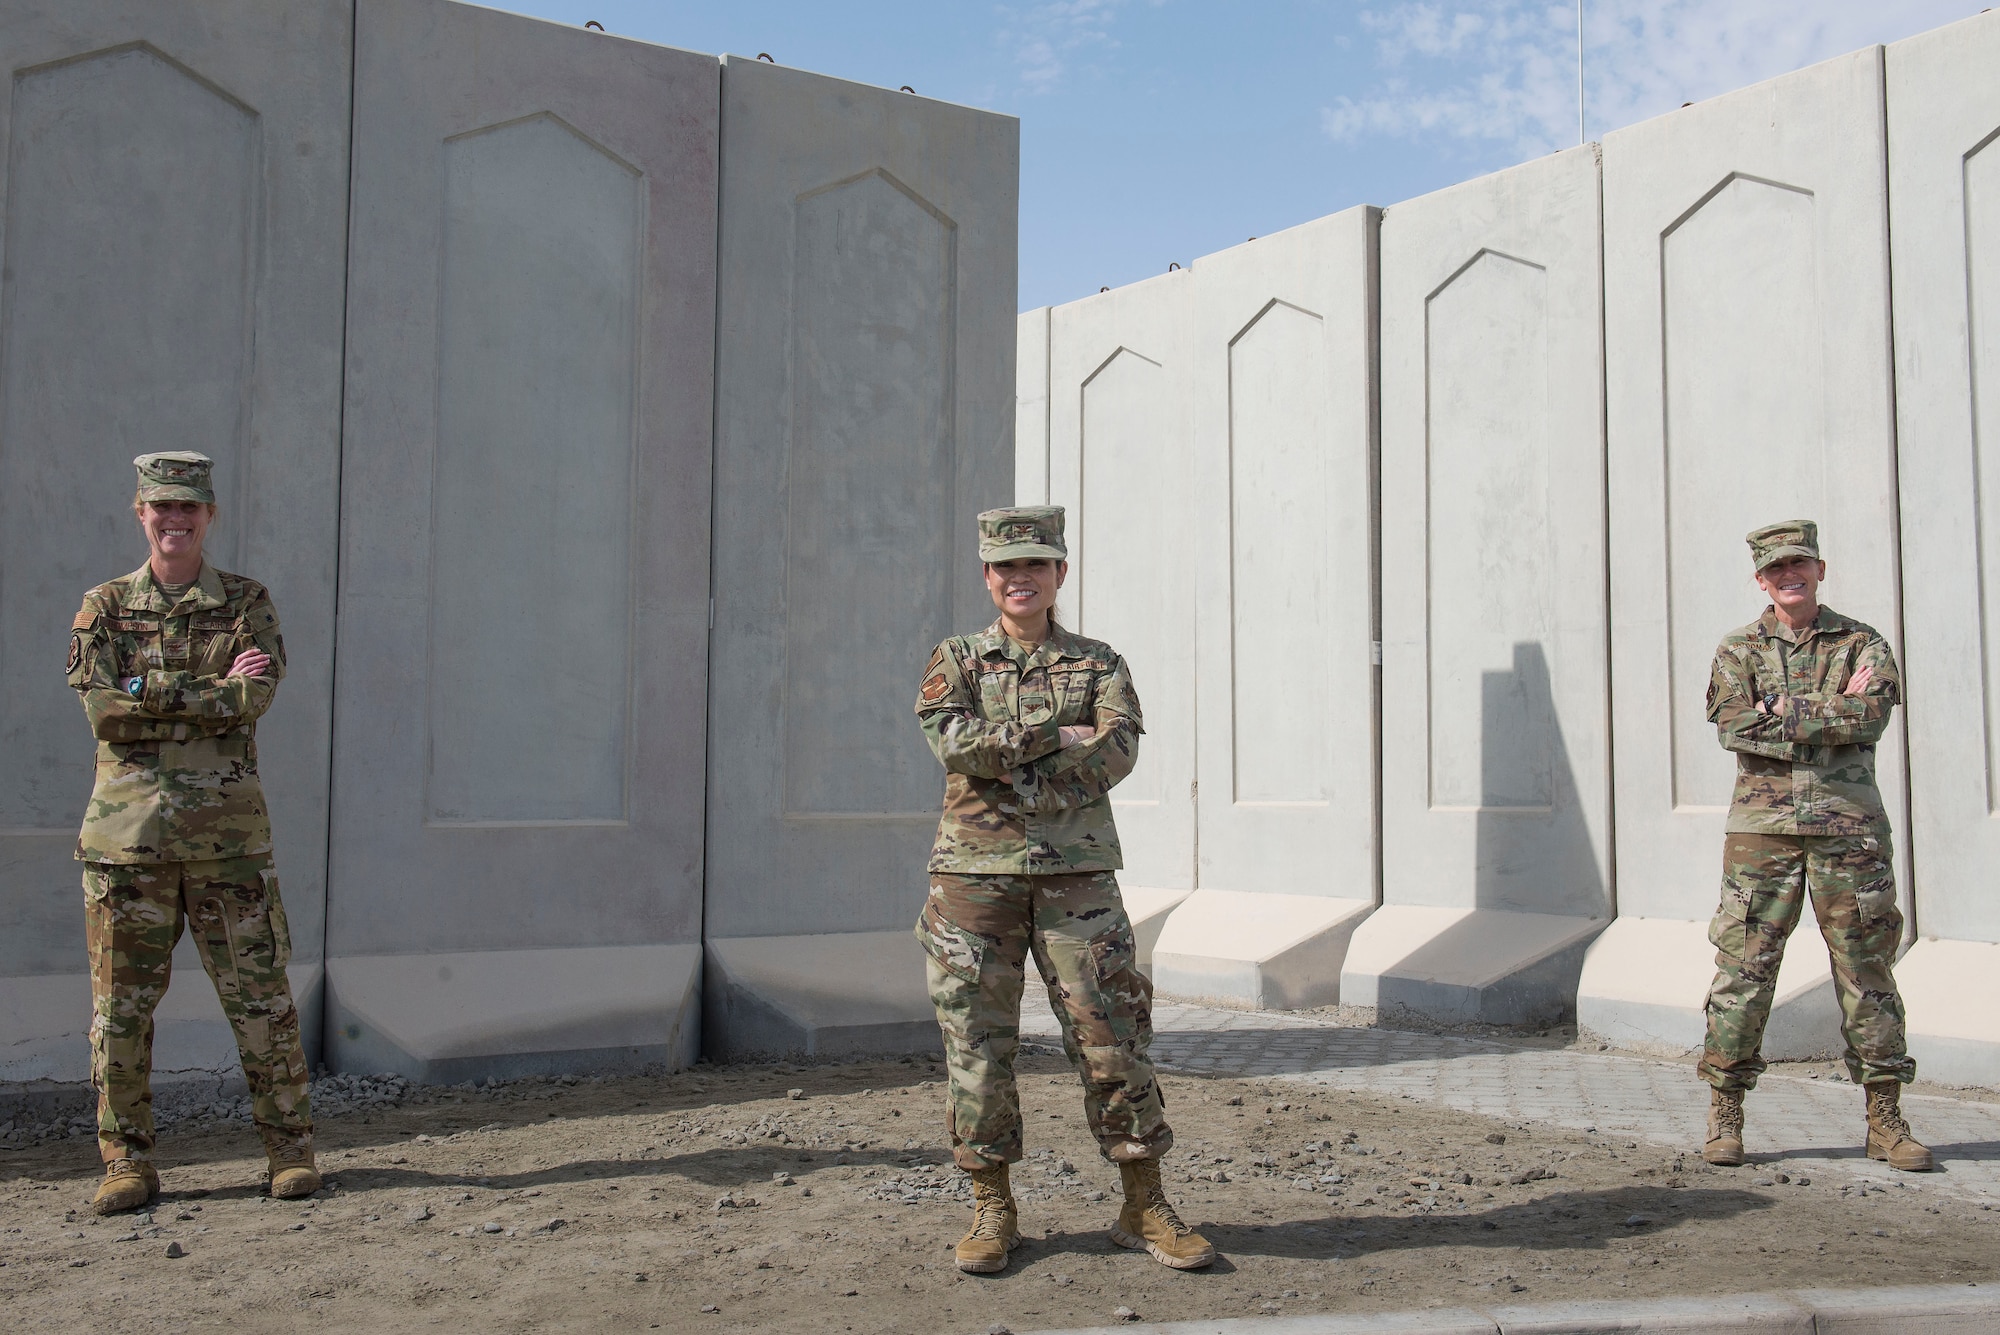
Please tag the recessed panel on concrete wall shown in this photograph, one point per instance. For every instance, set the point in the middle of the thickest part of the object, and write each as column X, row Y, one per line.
column 516, row 196
column 1747, row 380
column 1496, row 780
column 865, row 399
column 1284, row 487
column 523, row 646
column 172, row 243
column 1944, row 205
column 1031, row 408
column 1121, row 463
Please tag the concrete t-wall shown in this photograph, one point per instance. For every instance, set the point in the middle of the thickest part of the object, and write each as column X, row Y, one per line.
column 501, row 418
column 516, row 854
column 1598, row 371
column 864, row 399
column 1944, row 250
column 1121, row 464
column 1284, row 458
column 171, row 268
column 1496, row 757
column 1747, row 380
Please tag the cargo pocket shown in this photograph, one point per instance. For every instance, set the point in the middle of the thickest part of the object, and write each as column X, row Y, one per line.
column 956, row 951
column 1875, row 904
column 1729, row 932
column 1124, row 996
column 281, row 928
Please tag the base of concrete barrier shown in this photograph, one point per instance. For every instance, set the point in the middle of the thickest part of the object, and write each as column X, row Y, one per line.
column 1149, row 908
column 501, row 1014
column 1458, row 966
column 1932, row 1309
column 1645, row 983
column 833, row 994
column 45, row 1028
column 1951, row 994
column 1251, row 948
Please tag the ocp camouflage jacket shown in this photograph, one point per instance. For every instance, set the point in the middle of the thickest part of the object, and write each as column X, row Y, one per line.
column 1015, row 799
column 1810, row 767
column 177, row 764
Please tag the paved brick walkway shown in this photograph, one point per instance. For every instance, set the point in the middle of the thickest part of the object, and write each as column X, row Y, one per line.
column 1811, row 1125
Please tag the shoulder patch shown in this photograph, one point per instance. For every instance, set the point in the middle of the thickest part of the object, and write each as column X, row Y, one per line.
column 84, row 620
column 935, row 688
column 75, row 653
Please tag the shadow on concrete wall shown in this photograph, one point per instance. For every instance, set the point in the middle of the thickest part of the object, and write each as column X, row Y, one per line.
column 1533, row 854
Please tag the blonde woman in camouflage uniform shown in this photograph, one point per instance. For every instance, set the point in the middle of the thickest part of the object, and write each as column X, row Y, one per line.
column 175, row 663
column 1801, row 695
column 1034, row 726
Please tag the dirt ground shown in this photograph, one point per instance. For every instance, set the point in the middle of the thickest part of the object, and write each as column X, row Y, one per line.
column 815, row 1199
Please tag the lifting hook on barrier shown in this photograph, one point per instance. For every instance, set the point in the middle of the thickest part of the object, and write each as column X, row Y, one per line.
column 1173, row 265
column 908, row 89
column 593, row 23
column 1103, row 289
column 765, row 55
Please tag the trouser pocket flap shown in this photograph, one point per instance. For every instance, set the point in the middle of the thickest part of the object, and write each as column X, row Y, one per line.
column 956, row 951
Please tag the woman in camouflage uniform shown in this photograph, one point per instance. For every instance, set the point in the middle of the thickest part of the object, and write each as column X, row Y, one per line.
column 175, row 662
column 1801, row 696
column 1034, row 726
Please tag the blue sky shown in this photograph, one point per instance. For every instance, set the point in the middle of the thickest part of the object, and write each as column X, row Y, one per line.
column 1158, row 130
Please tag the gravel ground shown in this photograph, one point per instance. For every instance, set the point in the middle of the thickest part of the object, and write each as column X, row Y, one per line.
column 817, row 1199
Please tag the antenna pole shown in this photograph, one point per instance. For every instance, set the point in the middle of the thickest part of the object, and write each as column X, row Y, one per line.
column 1579, row 71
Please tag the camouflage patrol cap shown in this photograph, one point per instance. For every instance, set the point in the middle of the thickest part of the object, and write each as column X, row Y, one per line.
column 175, row 475
column 1775, row 542
column 1021, row 533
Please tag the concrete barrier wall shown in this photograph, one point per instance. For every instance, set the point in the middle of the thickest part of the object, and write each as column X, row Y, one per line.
column 171, row 277
column 864, row 415
column 1495, row 682
column 1944, row 210
column 1283, row 398
column 535, row 344
column 517, row 840
column 1597, row 372
column 1747, row 380
column 1121, row 462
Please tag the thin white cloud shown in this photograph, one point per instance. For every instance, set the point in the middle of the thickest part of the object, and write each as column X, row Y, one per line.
column 1047, row 39
column 1501, row 74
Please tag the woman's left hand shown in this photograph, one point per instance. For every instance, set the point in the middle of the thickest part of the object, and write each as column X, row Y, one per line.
column 250, row 663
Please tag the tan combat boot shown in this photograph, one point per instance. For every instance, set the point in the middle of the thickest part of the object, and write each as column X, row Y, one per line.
column 1148, row 1221
column 127, row 1185
column 292, row 1173
column 996, row 1227
column 1725, row 1128
column 1889, row 1135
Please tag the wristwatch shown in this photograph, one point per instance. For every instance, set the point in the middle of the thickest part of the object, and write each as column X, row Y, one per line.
column 136, row 687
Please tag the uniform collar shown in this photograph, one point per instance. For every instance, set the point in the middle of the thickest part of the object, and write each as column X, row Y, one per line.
column 993, row 641
column 1774, row 628
column 205, row 594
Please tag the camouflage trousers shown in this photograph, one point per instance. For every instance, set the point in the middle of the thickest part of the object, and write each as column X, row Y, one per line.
column 978, row 932
column 133, row 916
column 1766, row 879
